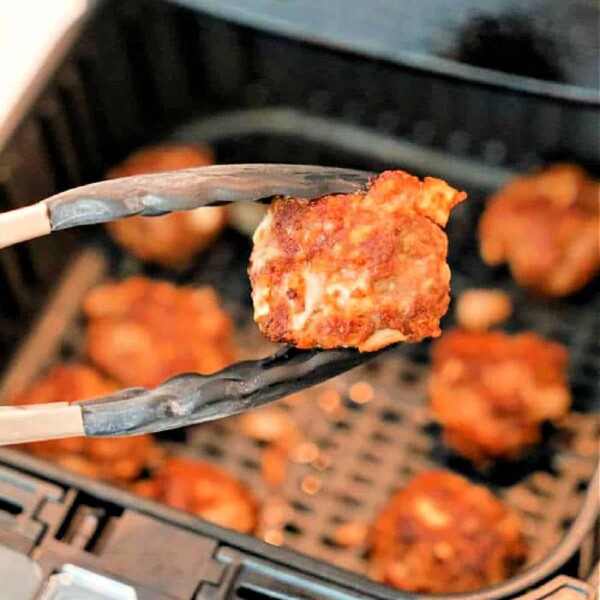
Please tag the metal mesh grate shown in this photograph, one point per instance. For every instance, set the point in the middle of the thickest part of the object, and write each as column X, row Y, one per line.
column 362, row 452
column 366, row 451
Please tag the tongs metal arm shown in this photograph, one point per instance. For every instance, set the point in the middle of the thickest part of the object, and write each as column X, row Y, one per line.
column 183, row 400
column 192, row 398
column 160, row 193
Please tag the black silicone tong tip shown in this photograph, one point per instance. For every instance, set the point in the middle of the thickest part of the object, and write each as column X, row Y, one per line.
column 191, row 398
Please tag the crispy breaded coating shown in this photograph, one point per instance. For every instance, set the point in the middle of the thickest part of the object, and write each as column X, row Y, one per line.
column 143, row 331
column 360, row 270
column 174, row 239
column 491, row 392
column 442, row 534
column 546, row 227
column 203, row 490
column 118, row 460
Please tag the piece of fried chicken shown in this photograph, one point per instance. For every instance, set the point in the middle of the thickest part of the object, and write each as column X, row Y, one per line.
column 143, row 331
column 204, row 490
column 118, row 460
column 360, row 270
column 442, row 534
column 491, row 392
column 170, row 240
column 546, row 227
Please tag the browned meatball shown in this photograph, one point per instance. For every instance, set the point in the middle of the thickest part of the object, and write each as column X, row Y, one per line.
column 545, row 226
column 491, row 391
column 118, row 460
column 361, row 270
column 174, row 239
column 442, row 534
column 143, row 331
column 203, row 490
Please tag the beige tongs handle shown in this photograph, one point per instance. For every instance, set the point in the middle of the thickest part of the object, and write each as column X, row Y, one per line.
column 37, row 422
column 24, row 224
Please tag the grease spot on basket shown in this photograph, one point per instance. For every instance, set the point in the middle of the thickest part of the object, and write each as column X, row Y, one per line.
column 274, row 537
column 329, row 401
column 311, row 485
column 361, row 392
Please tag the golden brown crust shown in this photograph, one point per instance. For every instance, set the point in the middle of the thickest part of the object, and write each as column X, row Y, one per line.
column 203, row 490
column 545, row 226
column 491, row 391
column 118, row 460
column 442, row 534
column 171, row 240
column 360, row 270
column 143, row 331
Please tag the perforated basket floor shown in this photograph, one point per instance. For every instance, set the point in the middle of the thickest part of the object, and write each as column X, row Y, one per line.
column 354, row 455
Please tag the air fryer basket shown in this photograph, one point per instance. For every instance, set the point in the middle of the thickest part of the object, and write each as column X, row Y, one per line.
column 394, row 432
column 181, row 84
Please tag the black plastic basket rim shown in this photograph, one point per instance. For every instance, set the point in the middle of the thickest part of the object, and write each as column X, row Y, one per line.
column 434, row 65
column 520, row 583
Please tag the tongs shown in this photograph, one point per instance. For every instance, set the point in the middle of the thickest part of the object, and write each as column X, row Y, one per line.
column 187, row 398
